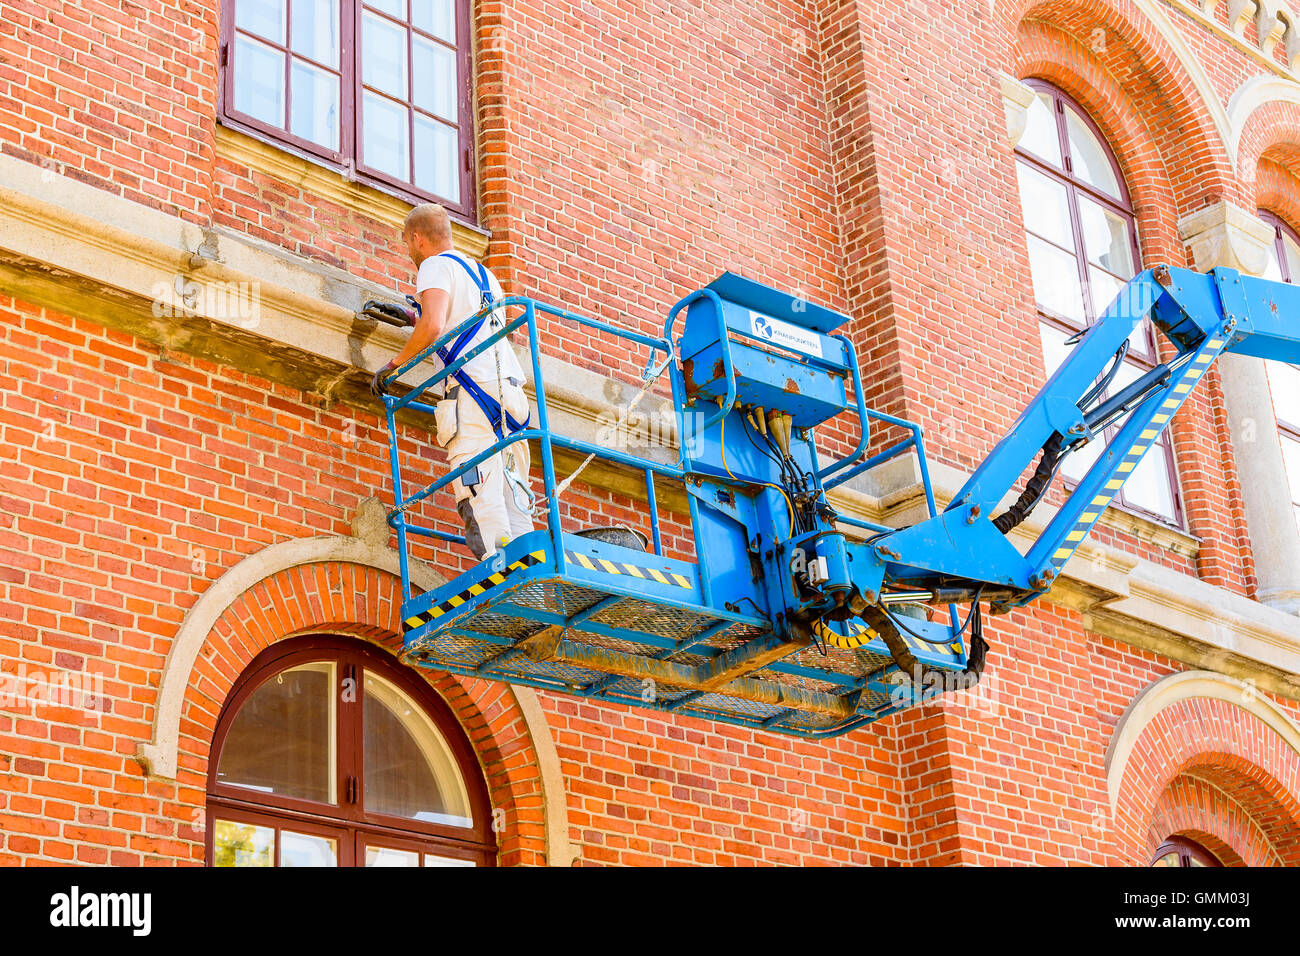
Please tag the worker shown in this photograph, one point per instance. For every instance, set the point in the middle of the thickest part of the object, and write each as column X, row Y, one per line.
column 485, row 400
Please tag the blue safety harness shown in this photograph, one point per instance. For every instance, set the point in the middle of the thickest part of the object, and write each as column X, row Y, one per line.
column 490, row 406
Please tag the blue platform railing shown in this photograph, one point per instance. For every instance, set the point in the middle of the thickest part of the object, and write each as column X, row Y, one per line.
column 548, row 441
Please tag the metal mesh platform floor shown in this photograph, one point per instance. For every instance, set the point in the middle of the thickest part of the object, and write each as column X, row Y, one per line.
column 628, row 627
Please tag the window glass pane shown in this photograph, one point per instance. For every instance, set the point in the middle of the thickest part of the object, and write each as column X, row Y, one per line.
column 282, row 740
column 431, row 860
column 436, row 149
column 263, row 17
column 435, row 16
column 434, row 78
column 1089, row 157
column 383, row 56
column 306, row 849
column 1292, row 252
column 1040, row 136
column 1272, row 270
column 394, row 8
column 1147, row 486
column 1055, row 350
column 1291, row 455
column 1284, row 382
column 315, row 105
column 259, row 81
column 242, row 844
column 387, row 856
column 1056, row 280
column 316, row 30
column 1103, row 287
column 1046, row 206
column 384, row 136
column 1169, row 859
column 1106, row 238
column 409, row 769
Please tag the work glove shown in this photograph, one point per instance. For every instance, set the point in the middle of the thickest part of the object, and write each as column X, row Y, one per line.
column 378, row 387
column 388, row 312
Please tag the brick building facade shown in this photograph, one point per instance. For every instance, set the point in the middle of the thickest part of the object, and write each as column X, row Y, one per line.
column 188, row 452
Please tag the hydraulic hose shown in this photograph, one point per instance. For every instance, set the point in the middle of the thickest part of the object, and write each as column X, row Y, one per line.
column 1034, row 488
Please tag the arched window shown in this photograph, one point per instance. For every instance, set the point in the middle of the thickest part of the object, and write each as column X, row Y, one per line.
column 330, row 753
column 1180, row 851
column 1082, row 243
column 1284, row 380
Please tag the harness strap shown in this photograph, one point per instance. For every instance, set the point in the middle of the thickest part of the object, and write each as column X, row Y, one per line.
column 490, row 406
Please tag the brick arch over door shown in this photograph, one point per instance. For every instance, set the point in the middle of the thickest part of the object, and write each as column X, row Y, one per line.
column 348, row 586
column 1218, row 731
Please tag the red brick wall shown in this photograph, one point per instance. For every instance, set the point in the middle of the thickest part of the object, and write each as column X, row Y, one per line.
column 854, row 152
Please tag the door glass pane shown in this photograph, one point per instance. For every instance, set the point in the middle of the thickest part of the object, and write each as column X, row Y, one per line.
column 316, row 30
column 435, row 16
column 242, row 844
column 1046, row 206
column 383, row 56
column 307, row 849
column 387, row 856
column 1089, row 157
column 1169, row 859
column 1284, row 382
column 1040, row 137
column 1056, row 280
column 434, row 78
column 1106, row 238
column 431, row 860
column 315, row 105
column 259, row 81
column 409, row 769
column 436, row 149
column 282, row 740
column 263, row 17
column 384, row 136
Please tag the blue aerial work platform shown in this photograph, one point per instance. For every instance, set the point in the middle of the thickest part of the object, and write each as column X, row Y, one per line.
column 784, row 620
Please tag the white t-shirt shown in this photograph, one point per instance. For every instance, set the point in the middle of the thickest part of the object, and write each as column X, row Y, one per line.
column 440, row 272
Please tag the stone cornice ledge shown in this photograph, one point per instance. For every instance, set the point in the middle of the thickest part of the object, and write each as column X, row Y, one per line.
column 70, row 247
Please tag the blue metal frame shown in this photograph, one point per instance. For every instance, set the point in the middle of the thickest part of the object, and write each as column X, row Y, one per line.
column 731, row 635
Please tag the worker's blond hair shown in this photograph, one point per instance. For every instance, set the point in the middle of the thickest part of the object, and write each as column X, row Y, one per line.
column 429, row 220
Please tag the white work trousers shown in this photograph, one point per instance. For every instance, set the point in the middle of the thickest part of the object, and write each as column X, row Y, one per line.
column 494, row 497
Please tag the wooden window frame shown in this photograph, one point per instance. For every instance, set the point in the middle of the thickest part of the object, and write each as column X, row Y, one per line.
column 1121, row 206
column 346, row 159
column 352, row 658
column 1289, row 431
column 1187, row 851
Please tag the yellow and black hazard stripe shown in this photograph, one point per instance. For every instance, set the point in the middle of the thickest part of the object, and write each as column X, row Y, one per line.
column 473, row 591
column 861, row 635
column 1195, row 369
column 637, row 571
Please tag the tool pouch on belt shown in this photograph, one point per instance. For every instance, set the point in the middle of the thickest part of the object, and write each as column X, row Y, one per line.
column 515, row 401
column 445, row 422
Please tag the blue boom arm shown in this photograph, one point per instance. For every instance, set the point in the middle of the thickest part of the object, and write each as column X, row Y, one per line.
column 791, row 616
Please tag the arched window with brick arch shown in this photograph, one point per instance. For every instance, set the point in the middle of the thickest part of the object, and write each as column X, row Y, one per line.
column 1081, row 237
column 1284, row 380
column 329, row 752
